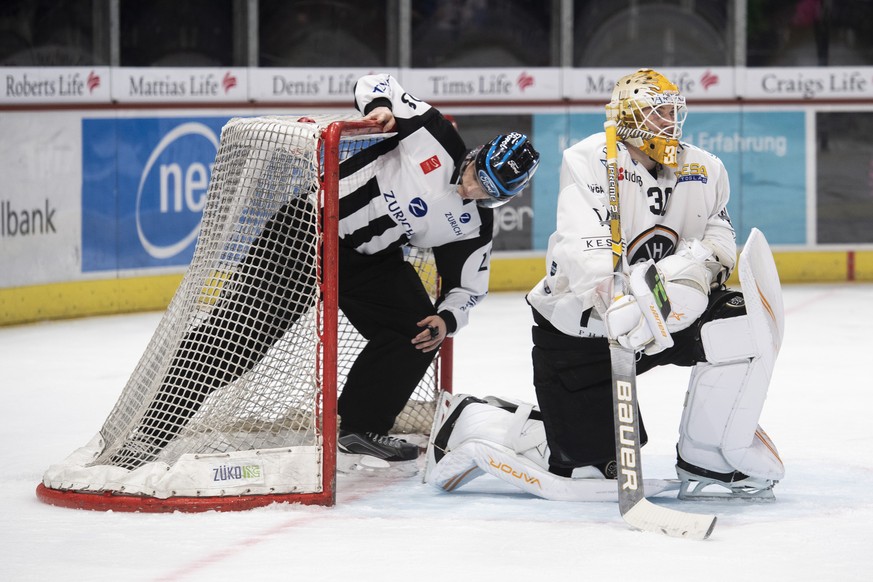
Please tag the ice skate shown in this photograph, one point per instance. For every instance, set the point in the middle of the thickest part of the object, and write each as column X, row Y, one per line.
column 697, row 483
column 356, row 463
column 383, row 447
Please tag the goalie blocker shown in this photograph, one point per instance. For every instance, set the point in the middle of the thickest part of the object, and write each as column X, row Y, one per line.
column 722, row 451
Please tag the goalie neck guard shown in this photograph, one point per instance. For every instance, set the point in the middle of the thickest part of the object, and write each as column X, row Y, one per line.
column 649, row 112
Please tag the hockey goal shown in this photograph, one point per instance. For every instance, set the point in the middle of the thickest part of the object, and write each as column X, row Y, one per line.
column 233, row 403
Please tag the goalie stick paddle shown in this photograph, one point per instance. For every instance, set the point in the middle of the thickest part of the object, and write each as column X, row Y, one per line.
column 636, row 510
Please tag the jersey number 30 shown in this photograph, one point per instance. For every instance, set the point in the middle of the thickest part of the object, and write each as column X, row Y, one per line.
column 658, row 200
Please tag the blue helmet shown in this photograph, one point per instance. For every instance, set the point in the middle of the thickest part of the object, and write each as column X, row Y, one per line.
column 504, row 166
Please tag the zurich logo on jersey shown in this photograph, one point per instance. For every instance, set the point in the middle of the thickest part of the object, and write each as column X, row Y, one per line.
column 417, row 207
column 464, row 218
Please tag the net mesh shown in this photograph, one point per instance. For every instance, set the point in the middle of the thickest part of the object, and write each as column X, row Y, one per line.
column 234, row 363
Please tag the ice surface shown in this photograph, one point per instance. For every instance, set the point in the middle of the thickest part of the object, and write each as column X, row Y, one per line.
column 59, row 381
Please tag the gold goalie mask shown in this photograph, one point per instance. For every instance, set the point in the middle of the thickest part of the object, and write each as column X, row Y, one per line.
column 649, row 112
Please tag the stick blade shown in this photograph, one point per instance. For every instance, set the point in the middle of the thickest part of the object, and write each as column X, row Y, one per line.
column 647, row 516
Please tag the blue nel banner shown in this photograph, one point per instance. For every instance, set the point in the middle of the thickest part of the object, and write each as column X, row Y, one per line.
column 144, row 184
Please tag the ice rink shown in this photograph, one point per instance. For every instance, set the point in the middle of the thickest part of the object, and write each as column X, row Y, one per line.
column 60, row 379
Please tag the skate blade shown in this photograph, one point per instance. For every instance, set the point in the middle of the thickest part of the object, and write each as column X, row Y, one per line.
column 353, row 463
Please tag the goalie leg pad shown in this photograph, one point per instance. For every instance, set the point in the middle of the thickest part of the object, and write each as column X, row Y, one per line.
column 523, row 473
column 720, row 439
column 463, row 419
column 454, row 469
column 516, row 426
column 719, row 429
column 475, row 457
column 473, row 437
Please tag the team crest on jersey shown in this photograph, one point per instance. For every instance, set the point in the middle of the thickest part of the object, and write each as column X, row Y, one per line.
column 656, row 243
column 430, row 164
column 692, row 173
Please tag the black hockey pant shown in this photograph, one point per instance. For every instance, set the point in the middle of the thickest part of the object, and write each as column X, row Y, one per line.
column 573, row 382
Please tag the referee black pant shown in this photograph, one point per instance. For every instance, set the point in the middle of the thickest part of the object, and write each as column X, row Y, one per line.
column 384, row 298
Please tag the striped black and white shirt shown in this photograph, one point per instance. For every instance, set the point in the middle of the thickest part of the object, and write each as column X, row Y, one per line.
column 403, row 190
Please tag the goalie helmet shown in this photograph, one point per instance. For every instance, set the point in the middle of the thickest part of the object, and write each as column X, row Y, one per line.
column 503, row 166
column 649, row 112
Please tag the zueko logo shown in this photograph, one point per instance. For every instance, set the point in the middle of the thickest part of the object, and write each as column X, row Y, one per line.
column 225, row 473
column 417, row 207
column 172, row 189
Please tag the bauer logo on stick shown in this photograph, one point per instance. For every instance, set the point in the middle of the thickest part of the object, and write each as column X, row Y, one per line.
column 627, row 436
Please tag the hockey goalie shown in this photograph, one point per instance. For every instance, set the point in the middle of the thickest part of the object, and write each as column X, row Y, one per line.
column 674, row 229
column 722, row 452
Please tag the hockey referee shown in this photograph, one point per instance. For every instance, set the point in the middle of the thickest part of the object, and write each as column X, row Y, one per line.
column 423, row 188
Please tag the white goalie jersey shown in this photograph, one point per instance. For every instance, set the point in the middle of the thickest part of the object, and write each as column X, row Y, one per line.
column 687, row 203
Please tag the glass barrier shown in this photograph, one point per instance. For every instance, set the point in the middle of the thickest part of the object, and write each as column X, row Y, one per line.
column 809, row 33
column 43, row 33
column 482, row 33
column 313, row 33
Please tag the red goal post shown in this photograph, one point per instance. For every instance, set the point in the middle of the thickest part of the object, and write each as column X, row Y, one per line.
column 233, row 404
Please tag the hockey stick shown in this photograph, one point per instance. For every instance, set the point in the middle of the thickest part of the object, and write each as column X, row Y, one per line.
column 636, row 510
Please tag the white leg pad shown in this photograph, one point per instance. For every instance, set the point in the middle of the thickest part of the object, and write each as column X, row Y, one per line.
column 513, row 431
column 480, row 428
column 486, row 439
column 519, row 471
column 456, row 468
column 474, row 458
column 719, row 429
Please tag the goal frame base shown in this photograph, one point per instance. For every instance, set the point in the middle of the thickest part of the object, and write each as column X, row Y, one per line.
column 112, row 501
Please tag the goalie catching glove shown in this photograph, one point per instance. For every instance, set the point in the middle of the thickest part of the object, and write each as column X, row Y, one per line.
column 637, row 320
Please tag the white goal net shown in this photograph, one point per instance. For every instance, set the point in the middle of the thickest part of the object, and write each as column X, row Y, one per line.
column 233, row 403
